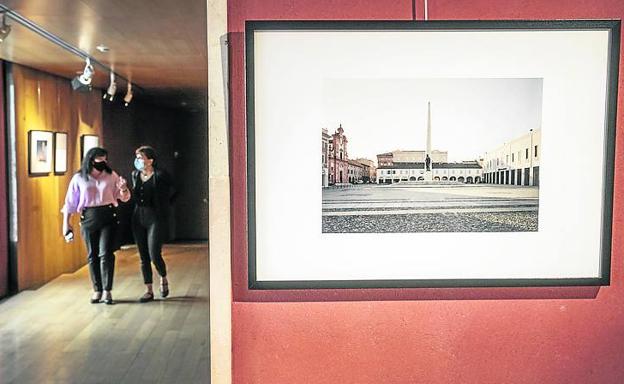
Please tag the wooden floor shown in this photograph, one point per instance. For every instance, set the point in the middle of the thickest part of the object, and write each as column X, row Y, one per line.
column 54, row 335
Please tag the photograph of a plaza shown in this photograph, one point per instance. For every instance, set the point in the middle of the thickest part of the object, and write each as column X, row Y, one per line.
column 431, row 155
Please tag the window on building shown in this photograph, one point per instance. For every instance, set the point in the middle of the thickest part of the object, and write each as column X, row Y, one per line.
column 526, row 153
column 535, row 151
column 512, row 157
column 507, row 159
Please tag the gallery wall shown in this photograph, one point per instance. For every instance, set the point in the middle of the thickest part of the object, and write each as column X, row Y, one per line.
column 477, row 335
column 179, row 137
column 47, row 103
column 125, row 129
column 191, row 207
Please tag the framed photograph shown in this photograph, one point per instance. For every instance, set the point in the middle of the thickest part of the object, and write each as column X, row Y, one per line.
column 452, row 153
column 39, row 152
column 87, row 142
column 60, row 152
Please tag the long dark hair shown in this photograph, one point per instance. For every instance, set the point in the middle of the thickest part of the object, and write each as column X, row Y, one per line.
column 148, row 152
column 87, row 162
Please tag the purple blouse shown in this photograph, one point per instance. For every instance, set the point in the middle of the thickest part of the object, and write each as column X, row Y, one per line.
column 101, row 190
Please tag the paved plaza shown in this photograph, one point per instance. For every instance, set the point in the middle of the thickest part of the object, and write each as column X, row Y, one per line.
column 430, row 208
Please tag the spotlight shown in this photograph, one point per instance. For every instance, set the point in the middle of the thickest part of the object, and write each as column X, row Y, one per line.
column 82, row 83
column 128, row 97
column 112, row 88
column 5, row 29
column 102, row 48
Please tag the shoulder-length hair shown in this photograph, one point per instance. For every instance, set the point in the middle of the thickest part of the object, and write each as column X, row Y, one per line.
column 148, row 152
column 87, row 162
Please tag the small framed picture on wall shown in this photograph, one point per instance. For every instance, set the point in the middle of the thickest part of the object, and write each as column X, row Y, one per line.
column 87, row 142
column 39, row 152
column 60, row 153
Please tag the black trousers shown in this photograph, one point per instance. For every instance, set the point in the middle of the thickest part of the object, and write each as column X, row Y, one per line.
column 98, row 225
column 147, row 229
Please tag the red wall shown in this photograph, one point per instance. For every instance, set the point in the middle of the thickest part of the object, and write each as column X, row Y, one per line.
column 505, row 335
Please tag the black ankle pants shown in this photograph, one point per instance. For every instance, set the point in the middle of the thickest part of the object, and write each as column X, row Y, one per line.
column 147, row 230
column 98, row 225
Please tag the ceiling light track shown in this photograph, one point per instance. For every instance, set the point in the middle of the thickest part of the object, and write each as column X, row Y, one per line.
column 60, row 42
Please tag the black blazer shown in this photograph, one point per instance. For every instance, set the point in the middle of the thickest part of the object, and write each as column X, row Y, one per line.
column 165, row 191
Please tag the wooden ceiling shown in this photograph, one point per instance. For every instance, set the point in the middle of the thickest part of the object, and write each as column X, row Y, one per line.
column 160, row 45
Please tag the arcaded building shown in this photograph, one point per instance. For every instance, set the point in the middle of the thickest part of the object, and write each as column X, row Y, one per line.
column 516, row 162
column 462, row 172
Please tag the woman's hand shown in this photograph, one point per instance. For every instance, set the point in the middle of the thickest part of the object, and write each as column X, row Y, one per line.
column 66, row 228
column 124, row 191
column 122, row 184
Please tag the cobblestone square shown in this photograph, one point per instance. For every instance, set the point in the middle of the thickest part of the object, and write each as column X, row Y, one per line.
column 373, row 208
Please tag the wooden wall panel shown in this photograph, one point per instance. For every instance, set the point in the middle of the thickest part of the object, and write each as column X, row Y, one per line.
column 45, row 102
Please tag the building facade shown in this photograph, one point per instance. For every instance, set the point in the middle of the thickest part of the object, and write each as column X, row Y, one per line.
column 325, row 157
column 516, row 162
column 338, row 158
column 356, row 171
column 419, row 156
column 385, row 159
column 370, row 171
column 469, row 172
column 398, row 156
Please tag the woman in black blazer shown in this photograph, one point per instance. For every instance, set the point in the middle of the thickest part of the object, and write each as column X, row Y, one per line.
column 153, row 194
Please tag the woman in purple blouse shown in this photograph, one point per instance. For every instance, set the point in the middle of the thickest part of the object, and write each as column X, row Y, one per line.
column 93, row 192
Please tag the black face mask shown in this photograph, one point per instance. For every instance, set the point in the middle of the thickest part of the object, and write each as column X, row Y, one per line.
column 99, row 165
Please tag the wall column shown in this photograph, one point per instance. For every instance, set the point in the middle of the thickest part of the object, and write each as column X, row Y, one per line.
column 219, row 196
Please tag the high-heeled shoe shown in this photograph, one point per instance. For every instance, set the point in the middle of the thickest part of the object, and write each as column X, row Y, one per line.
column 108, row 298
column 96, row 297
column 164, row 288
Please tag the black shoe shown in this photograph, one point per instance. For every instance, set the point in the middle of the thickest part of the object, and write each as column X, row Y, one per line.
column 96, row 297
column 147, row 296
column 164, row 289
column 108, row 299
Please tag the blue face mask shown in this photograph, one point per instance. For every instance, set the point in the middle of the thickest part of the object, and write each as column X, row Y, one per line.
column 139, row 164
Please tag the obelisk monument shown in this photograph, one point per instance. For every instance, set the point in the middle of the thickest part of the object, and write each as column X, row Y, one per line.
column 428, row 161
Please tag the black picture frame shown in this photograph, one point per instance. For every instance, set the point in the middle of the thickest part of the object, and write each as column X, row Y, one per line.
column 612, row 26
column 40, row 152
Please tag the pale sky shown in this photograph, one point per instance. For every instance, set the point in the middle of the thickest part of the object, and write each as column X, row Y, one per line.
column 468, row 116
